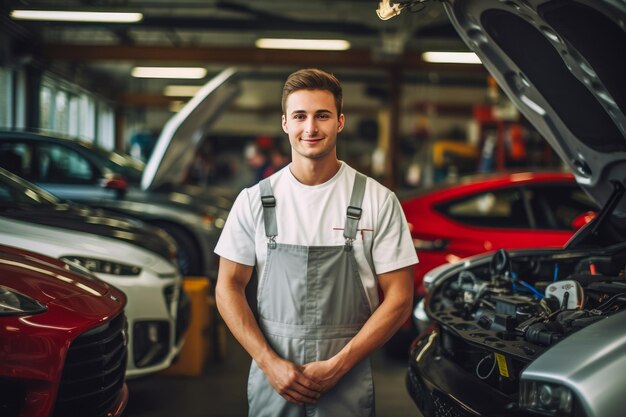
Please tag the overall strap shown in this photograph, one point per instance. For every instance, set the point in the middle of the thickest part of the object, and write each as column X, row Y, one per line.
column 269, row 212
column 353, row 214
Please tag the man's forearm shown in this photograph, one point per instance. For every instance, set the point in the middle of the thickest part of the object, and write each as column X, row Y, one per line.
column 285, row 376
column 235, row 311
column 384, row 322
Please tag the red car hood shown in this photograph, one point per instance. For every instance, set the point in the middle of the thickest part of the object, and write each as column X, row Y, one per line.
column 49, row 282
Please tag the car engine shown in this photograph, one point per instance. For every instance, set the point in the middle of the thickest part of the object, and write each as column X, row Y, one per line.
column 499, row 314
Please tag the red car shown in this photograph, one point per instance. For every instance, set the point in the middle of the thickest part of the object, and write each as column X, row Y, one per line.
column 62, row 340
column 488, row 212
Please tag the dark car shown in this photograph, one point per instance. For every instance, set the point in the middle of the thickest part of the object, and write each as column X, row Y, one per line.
column 77, row 171
column 23, row 201
column 541, row 331
column 63, row 340
column 73, row 171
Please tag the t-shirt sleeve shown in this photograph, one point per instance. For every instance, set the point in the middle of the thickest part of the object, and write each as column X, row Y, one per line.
column 393, row 246
column 237, row 243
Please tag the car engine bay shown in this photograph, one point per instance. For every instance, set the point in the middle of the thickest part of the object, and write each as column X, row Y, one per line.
column 500, row 314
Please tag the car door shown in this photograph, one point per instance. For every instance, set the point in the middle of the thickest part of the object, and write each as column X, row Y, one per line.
column 67, row 173
column 516, row 217
column 558, row 206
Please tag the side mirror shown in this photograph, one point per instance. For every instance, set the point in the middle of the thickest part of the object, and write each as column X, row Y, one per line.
column 582, row 219
column 115, row 182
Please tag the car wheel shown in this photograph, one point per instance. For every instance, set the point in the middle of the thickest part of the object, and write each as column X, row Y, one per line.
column 189, row 261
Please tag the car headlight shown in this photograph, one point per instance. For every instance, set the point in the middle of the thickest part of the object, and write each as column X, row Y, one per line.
column 13, row 303
column 104, row 267
column 77, row 268
column 546, row 397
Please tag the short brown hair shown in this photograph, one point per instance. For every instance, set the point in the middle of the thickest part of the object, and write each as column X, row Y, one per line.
column 313, row 79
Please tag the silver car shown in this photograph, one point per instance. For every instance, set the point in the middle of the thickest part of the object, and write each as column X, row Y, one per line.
column 538, row 331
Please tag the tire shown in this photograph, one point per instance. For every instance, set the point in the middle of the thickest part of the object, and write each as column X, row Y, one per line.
column 188, row 258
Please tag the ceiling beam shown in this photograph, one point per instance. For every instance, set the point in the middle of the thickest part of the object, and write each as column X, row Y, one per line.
column 439, row 108
column 360, row 58
column 254, row 25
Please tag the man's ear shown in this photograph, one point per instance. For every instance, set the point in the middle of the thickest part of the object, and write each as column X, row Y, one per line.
column 284, row 124
column 342, row 120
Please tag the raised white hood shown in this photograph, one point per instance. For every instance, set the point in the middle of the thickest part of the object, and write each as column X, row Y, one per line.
column 182, row 134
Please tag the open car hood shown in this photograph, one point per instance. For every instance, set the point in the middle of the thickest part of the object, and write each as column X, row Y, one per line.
column 563, row 64
column 183, row 133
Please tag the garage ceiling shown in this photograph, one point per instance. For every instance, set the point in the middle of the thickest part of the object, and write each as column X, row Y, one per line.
column 214, row 33
column 237, row 23
column 198, row 22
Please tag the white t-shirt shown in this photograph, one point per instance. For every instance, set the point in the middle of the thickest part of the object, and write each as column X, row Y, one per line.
column 316, row 216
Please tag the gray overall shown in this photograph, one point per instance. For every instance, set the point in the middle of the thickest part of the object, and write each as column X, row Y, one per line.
column 311, row 303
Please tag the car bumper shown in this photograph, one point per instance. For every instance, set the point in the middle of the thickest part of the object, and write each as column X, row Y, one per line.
column 79, row 371
column 439, row 387
column 157, row 319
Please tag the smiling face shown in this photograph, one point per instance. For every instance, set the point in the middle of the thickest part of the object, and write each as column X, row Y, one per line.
column 312, row 123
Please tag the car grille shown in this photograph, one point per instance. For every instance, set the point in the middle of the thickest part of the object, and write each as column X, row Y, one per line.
column 418, row 392
column 444, row 407
column 184, row 315
column 432, row 403
column 93, row 375
column 183, row 310
column 12, row 396
column 151, row 342
column 168, row 293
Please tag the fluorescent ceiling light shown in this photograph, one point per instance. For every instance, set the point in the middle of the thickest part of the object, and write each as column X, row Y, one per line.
column 305, row 44
column 73, row 16
column 181, row 90
column 451, row 57
column 189, row 73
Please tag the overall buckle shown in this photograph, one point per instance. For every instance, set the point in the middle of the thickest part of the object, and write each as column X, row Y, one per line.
column 354, row 212
column 268, row 201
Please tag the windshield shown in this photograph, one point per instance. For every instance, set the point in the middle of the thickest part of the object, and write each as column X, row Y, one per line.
column 124, row 165
column 14, row 191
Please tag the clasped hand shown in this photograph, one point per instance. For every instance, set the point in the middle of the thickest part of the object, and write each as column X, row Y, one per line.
column 302, row 384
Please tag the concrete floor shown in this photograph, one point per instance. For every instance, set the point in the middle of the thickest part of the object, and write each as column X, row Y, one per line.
column 221, row 390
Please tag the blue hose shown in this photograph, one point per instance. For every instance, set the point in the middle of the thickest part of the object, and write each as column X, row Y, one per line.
column 532, row 289
column 556, row 272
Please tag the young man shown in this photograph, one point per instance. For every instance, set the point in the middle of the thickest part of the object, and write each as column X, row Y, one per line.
column 322, row 237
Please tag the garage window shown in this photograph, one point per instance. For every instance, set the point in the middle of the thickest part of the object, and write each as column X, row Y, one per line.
column 6, row 94
column 69, row 110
